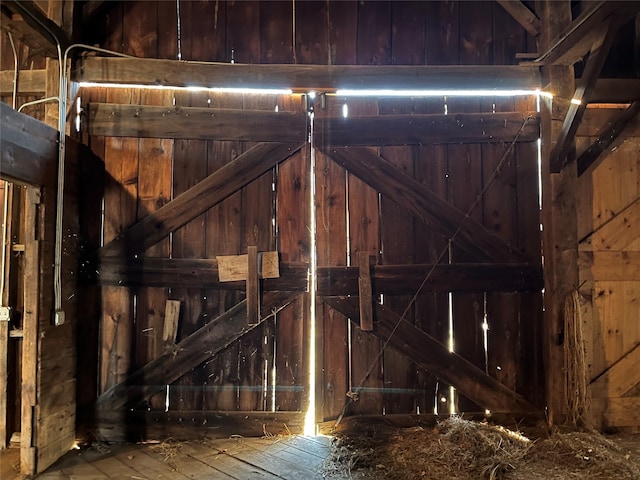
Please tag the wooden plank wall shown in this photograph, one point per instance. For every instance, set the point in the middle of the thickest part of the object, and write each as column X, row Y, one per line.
column 610, row 287
column 141, row 175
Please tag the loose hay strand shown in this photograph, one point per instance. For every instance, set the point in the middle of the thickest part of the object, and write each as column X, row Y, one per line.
column 464, row 450
column 577, row 384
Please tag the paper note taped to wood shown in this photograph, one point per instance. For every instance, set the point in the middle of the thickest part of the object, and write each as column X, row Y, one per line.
column 232, row 268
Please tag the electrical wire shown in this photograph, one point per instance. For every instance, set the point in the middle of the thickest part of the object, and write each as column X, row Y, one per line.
column 14, row 97
column 496, row 172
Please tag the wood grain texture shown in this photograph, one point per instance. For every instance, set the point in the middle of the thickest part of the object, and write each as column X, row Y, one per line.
column 149, row 121
column 187, row 354
column 215, row 188
column 430, row 208
column 416, row 129
column 468, row 379
column 305, row 78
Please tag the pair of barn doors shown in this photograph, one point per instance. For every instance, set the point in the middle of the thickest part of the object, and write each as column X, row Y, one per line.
column 421, row 215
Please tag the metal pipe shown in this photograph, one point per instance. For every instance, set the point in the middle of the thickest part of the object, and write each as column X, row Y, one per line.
column 36, row 102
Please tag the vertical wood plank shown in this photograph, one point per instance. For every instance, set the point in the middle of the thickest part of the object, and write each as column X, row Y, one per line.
column 374, row 33
column 465, row 164
column 500, row 213
column 223, row 237
column 5, row 224
column 31, row 302
column 331, row 246
column 293, row 219
column 364, row 292
column 443, row 33
column 465, row 169
column 530, row 374
column 257, row 228
column 154, row 191
column 331, row 215
column 243, row 32
column 91, row 192
column 189, row 168
column 253, row 289
column 312, row 33
column 343, row 18
column 120, row 197
column 432, row 310
column 276, row 32
column 364, row 234
column 208, row 33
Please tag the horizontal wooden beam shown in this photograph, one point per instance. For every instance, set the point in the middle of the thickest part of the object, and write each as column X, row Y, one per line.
column 28, row 23
column 615, row 90
column 428, row 129
column 204, row 343
column 303, row 78
column 386, row 279
column 521, row 14
column 185, row 425
column 406, row 279
column 148, row 121
column 189, row 273
column 434, row 357
column 620, row 377
column 436, row 212
column 30, row 82
column 609, row 140
column 609, row 266
column 199, row 198
column 28, row 149
column 578, row 38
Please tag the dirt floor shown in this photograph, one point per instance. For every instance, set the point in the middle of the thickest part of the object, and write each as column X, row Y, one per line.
column 467, row 450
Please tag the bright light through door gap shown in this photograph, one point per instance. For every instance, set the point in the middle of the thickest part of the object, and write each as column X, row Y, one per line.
column 256, row 91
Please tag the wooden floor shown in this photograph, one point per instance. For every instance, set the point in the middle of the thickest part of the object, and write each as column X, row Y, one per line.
column 287, row 458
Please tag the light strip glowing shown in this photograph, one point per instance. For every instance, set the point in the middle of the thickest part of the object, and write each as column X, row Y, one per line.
column 438, row 93
column 258, row 91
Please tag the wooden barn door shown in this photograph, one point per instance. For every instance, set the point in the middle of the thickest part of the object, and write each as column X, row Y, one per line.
column 376, row 178
column 169, row 323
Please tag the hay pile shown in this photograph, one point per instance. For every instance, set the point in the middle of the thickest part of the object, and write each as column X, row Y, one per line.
column 464, row 450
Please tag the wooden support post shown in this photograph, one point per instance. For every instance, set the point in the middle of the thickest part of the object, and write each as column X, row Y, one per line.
column 6, row 195
column 559, row 218
column 30, row 339
column 253, row 286
column 4, row 377
column 365, row 292
column 171, row 317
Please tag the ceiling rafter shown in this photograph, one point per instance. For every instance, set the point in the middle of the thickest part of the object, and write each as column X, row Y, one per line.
column 26, row 21
column 521, row 14
column 563, row 151
column 578, row 38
